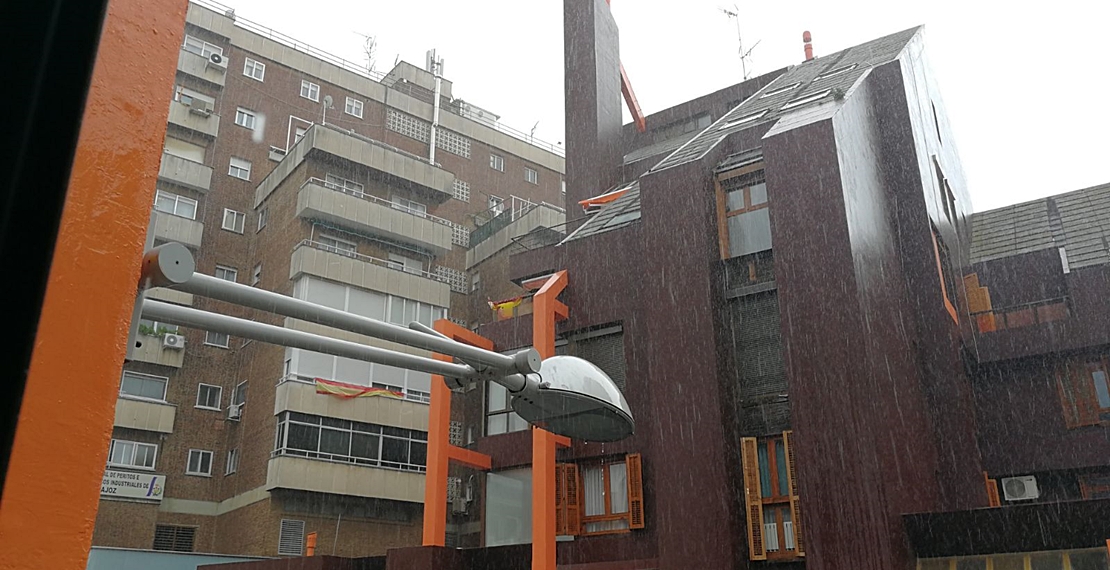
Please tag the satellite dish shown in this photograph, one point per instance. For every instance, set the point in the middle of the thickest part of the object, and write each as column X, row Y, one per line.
column 327, row 100
column 576, row 399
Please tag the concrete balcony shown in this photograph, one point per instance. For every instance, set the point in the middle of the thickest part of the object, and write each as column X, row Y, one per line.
column 294, row 396
column 150, row 350
column 168, row 227
column 185, row 172
column 186, row 117
column 365, row 213
column 314, row 258
column 501, row 231
column 201, row 67
column 170, row 296
column 145, row 415
column 286, row 472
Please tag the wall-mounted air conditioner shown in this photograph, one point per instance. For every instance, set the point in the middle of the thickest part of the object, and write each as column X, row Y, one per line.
column 174, row 341
column 235, row 412
column 1022, row 488
column 218, row 61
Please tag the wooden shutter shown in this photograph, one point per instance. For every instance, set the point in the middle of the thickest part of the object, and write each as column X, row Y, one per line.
column 632, row 463
column 792, row 484
column 560, row 499
column 1077, row 396
column 572, row 500
column 749, row 451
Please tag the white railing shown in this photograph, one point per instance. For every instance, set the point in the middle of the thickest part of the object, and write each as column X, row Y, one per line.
column 377, row 200
column 372, row 260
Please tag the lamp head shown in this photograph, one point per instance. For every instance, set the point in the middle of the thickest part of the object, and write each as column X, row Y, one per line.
column 576, row 399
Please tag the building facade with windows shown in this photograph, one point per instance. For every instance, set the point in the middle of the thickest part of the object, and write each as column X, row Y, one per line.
column 303, row 174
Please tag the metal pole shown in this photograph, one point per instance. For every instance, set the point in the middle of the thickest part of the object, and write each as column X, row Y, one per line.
column 435, row 110
column 189, row 317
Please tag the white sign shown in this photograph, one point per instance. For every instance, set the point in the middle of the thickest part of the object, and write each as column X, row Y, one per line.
column 130, row 485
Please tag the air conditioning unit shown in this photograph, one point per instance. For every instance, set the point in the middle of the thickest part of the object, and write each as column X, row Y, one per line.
column 234, row 412
column 459, row 506
column 200, row 107
column 1020, row 488
column 218, row 61
column 175, row 341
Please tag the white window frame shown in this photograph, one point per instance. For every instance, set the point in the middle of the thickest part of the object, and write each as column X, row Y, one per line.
column 497, row 162
column 411, row 206
column 299, row 133
column 219, row 397
column 136, row 444
column 189, row 462
column 353, row 105
column 227, row 272
column 208, row 339
column 242, row 170
column 177, row 200
column 232, row 465
column 206, row 49
column 310, row 90
column 337, row 245
column 344, row 185
column 405, row 263
column 245, row 118
column 254, row 69
column 531, row 175
column 165, row 386
column 261, row 219
column 475, row 281
column 238, row 221
column 256, row 274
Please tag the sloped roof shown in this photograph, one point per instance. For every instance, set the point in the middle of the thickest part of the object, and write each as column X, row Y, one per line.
column 622, row 212
column 1078, row 221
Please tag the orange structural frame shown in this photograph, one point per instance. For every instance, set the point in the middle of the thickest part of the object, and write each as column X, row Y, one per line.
column 50, row 499
column 440, row 450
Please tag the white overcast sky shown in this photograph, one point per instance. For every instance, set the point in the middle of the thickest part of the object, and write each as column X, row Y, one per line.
column 1026, row 86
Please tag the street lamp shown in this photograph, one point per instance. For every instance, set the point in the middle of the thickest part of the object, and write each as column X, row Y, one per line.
column 565, row 395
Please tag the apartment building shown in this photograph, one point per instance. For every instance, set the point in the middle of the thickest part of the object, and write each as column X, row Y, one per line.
column 295, row 171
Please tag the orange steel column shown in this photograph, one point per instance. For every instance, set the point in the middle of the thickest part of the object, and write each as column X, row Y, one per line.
column 440, row 450
column 50, row 499
column 546, row 310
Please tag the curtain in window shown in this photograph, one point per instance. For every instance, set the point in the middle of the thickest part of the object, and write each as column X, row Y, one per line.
column 618, row 488
column 764, row 470
column 593, row 485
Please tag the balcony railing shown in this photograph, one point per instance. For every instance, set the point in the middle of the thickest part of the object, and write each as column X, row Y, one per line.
column 502, row 216
column 1022, row 315
column 418, row 396
column 371, row 260
column 377, row 200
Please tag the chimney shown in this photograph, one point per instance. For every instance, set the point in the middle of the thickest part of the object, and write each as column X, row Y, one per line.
column 807, row 38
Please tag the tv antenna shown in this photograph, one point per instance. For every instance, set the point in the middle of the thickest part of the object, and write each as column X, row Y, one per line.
column 370, row 48
column 734, row 13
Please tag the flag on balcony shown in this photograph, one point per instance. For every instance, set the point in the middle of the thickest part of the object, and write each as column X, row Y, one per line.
column 504, row 309
column 344, row 390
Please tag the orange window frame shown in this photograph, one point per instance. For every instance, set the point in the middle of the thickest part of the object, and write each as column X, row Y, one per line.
column 723, row 213
column 1078, row 395
column 947, row 296
column 778, row 502
column 609, row 514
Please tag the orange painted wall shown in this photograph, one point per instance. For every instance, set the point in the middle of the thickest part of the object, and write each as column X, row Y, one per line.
column 61, row 443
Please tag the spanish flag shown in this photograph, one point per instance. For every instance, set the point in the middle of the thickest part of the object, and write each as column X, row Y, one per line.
column 344, row 390
column 504, row 309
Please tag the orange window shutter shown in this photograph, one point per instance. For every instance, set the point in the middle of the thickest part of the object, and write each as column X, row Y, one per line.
column 1077, row 396
column 749, row 452
column 560, row 499
column 792, row 484
column 572, row 500
column 992, row 493
column 633, row 466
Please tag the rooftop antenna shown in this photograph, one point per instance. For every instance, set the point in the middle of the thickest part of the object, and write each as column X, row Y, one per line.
column 370, row 48
column 532, row 134
column 734, row 13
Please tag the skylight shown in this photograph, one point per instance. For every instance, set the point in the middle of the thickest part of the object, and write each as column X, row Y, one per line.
column 807, row 99
column 623, row 218
column 746, row 118
column 837, row 71
column 780, row 90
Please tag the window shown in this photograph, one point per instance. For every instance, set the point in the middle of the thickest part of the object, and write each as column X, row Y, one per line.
column 414, row 208
column 123, row 453
column 196, row 99
column 216, row 339
column 1084, row 387
column 298, row 134
column 806, row 99
column 174, row 538
column 226, row 273
column 262, row 214
column 406, row 264
column 780, row 90
column 137, row 385
column 240, row 168
column 173, row 204
column 209, row 396
column 743, row 217
column 773, row 511
column 497, row 162
column 310, row 90
column 245, row 118
column 599, row 498
column 500, row 417
column 344, row 441
column 837, row 71
column 947, row 276
column 496, row 204
column 531, row 176
column 256, row 275
column 337, row 245
column 475, row 281
column 200, row 463
column 343, row 185
column 291, row 537
column 183, row 149
column 254, row 69
column 353, row 107
column 234, row 221
column 201, row 47
column 232, row 462
column 155, row 328
column 239, row 397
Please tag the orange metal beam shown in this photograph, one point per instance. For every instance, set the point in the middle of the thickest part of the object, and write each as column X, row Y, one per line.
column 439, row 448
column 469, row 458
column 50, row 499
column 633, row 104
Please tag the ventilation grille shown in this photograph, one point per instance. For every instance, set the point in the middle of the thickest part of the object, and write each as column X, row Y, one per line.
column 456, row 279
column 420, row 130
column 460, row 235
column 461, row 190
column 174, row 538
column 291, row 538
column 606, row 351
column 454, row 489
column 455, row 436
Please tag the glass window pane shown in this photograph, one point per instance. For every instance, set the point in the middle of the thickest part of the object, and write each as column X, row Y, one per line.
column 419, row 381
column 498, row 397
column 1101, row 389
column 388, row 375
column 418, row 453
column 352, row 371
column 367, row 304
column 497, row 424
column 364, row 446
column 144, row 455
column 593, row 488
column 314, row 364
column 508, row 507
column 770, row 530
column 397, row 310
column 327, row 294
column 410, row 312
column 395, row 450
column 187, row 208
column 759, row 193
column 164, row 203
column 736, row 200
column 121, row 452
column 425, row 316
column 618, row 488
column 516, row 423
column 764, row 470
column 303, row 437
column 335, row 442
column 780, row 466
column 749, row 232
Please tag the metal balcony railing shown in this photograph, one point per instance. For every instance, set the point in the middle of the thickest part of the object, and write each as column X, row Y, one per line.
column 371, row 260
column 372, row 198
column 1022, row 315
column 501, row 220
